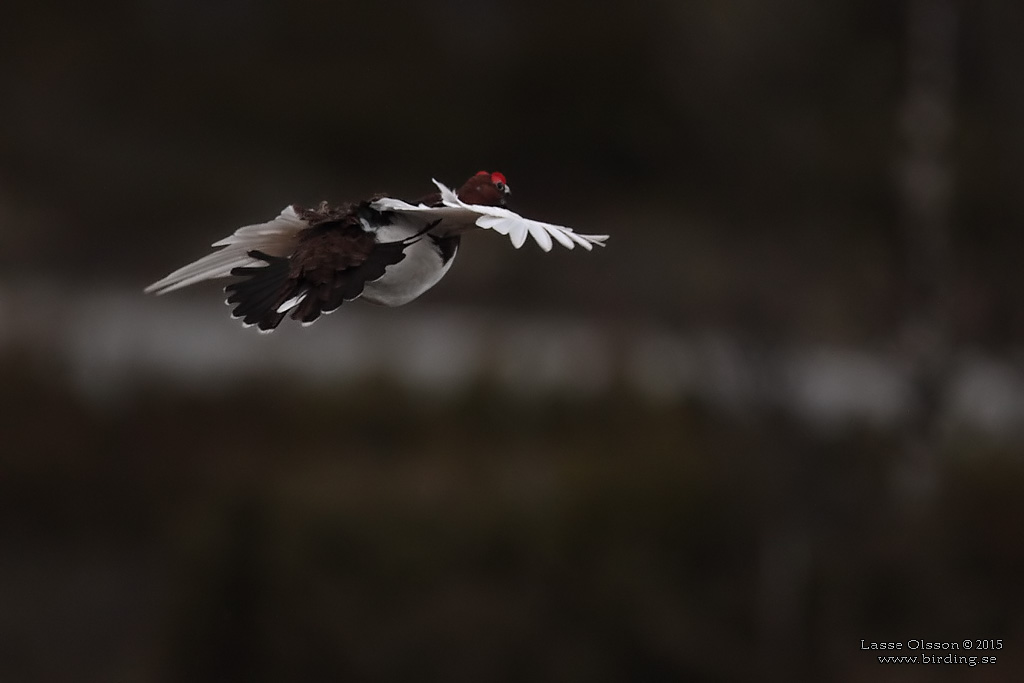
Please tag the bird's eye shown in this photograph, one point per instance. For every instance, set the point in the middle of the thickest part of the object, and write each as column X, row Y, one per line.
column 500, row 185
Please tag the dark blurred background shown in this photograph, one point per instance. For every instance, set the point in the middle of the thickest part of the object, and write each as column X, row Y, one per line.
column 781, row 412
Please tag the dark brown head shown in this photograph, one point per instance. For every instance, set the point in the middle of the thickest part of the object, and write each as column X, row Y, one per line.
column 488, row 189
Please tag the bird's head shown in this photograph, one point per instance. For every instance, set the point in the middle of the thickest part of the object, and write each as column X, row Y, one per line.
column 488, row 189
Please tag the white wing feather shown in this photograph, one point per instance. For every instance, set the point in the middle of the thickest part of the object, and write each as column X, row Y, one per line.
column 498, row 219
column 517, row 227
column 274, row 237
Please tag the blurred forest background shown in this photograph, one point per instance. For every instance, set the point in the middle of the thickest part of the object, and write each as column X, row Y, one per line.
column 781, row 412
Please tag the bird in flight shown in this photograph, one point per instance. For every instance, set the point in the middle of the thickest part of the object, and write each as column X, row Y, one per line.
column 307, row 262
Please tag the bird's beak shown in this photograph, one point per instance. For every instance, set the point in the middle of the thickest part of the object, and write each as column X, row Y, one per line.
column 508, row 190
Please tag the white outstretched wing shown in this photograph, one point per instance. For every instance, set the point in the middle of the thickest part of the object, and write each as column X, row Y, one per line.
column 496, row 218
column 274, row 237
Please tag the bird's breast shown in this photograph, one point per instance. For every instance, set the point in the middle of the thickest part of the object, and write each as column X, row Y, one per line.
column 426, row 262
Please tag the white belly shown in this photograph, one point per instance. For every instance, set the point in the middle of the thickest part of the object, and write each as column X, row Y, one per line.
column 421, row 269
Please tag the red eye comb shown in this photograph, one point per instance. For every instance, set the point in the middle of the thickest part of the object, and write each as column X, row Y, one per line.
column 498, row 178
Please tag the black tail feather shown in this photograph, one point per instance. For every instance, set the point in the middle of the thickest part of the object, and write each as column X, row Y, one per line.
column 311, row 307
column 347, row 285
column 262, row 291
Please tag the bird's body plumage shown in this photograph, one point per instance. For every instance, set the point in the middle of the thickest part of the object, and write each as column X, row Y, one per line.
column 387, row 251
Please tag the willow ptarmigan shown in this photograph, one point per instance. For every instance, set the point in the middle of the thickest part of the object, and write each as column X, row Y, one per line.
column 309, row 261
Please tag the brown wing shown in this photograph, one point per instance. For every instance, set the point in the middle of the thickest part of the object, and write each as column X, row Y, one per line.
column 333, row 260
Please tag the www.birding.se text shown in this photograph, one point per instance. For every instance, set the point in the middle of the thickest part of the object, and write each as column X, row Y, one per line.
column 936, row 659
